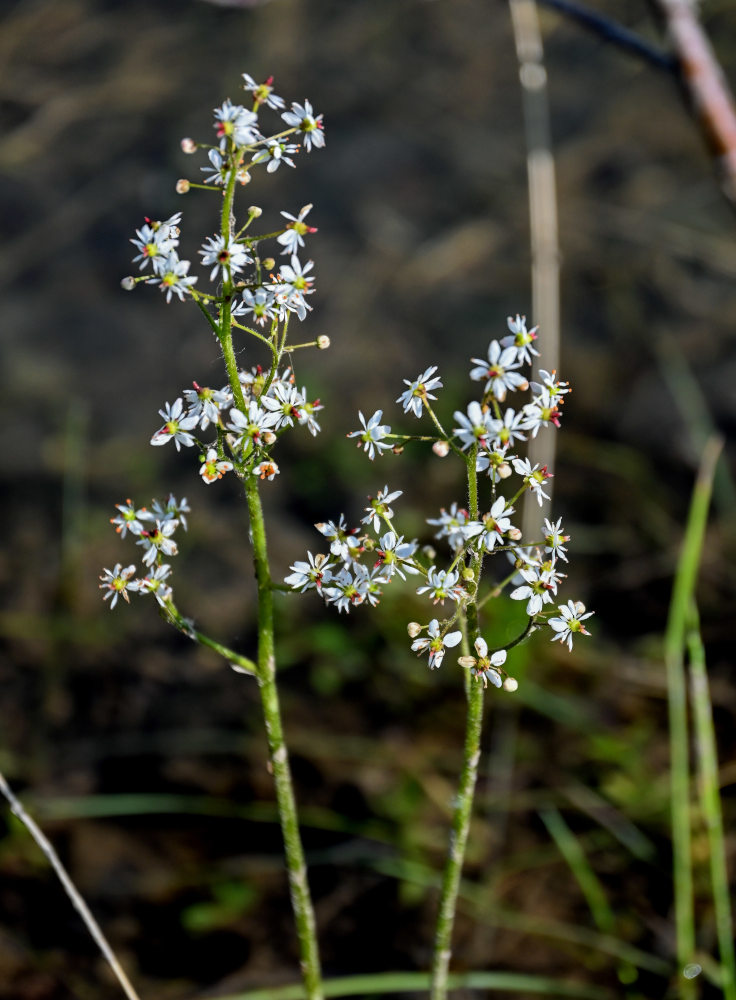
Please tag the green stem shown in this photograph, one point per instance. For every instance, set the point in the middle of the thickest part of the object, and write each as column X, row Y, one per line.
column 468, row 776
column 301, row 900
column 172, row 614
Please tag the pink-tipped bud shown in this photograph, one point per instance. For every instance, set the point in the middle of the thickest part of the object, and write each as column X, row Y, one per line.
column 441, row 449
column 514, row 534
column 323, row 342
column 188, row 146
column 182, row 186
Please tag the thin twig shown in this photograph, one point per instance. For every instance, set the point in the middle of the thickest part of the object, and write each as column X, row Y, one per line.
column 69, row 888
column 710, row 95
column 613, row 32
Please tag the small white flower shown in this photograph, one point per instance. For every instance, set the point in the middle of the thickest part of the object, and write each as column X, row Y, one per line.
column 372, row 435
column 475, row 428
column 261, row 303
column 117, row 583
column 521, row 338
column 156, row 240
column 346, row 591
column 570, row 622
column 266, row 470
column 213, row 468
column 235, row 122
column 219, row 168
column 483, row 665
column 541, row 412
column 176, row 427
column 276, row 153
column 228, row 258
column 378, row 509
column 153, row 583
column 285, row 403
column 310, row 574
column 206, row 404
column 499, row 371
column 395, row 555
column 344, row 544
column 262, row 93
column 508, row 430
column 129, row 519
column 537, row 591
column 172, row 276
column 442, row 584
column 552, row 384
column 555, row 539
column 418, row 392
column 435, row 643
column 534, row 477
column 250, row 428
column 296, row 229
column 452, row 525
column 493, row 526
column 172, row 510
column 159, row 540
column 303, row 118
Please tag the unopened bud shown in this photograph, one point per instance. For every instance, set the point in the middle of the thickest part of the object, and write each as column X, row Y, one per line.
column 441, row 448
column 514, row 534
column 128, row 284
column 504, row 470
column 305, row 208
column 268, row 263
column 269, row 438
column 243, row 178
column 323, row 342
column 255, row 212
column 430, row 552
column 467, row 661
column 511, row 684
column 413, row 628
column 188, row 146
column 468, row 574
column 398, row 449
column 182, row 186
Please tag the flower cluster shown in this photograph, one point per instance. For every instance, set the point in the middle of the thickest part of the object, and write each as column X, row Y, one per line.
column 362, row 560
column 154, row 530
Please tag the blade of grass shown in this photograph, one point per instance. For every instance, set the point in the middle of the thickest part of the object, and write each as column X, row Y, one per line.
column 674, row 644
column 569, row 847
column 409, row 982
column 710, row 802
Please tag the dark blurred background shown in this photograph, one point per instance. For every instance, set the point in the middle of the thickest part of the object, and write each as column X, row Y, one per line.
column 142, row 754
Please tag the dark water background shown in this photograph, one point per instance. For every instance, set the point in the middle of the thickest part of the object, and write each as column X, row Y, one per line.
column 421, row 202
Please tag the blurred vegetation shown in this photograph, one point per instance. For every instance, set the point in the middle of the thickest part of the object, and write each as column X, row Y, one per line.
column 141, row 753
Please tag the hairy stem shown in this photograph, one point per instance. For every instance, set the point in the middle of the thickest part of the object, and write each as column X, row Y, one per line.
column 301, row 899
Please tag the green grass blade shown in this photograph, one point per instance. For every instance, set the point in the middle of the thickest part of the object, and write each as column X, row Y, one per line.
column 410, row 982
column 710, row 803
column 569, row 847
column 682, row 594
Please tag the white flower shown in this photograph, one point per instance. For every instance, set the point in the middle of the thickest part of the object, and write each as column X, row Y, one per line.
column 307, row 575
column 534, row 477
column 250, row 427
column 172, row 275
column 537, row 591
column 541, row 412
column 227, row 258
column 307, row 413
column 261, row 303
column 508, row 430
column 499, row 371
column 154, row 584
column 176, row 427
column 442, row 584
column 285, row 403
column 555, row 539
column 493, row 527
column 452, row 525
column 234, row 122
column 117, row 583
column 475, row 428
column 218, row 170
column 372, row 435
column 266, row 470
column 495, row 462
column 292, row 284
column 551, row 383
column 345, row 591
column 262, row 93
column 483, row 665
column 395, row 555
column 172, row 510
column 213, row 468
column 378, row 508
column 156, row 240
column 296, row 229
column 343, row 543
column 521, row 338
column 129, row 519
column 303, row 118
column 570, row 623
column 435, row 643
column 159, row 540
column 205, row 404
column 276, row 153
column 418, row 392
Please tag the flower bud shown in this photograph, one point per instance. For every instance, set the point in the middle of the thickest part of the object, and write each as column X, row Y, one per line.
column 398, row 449
column 188, row 146
column 269, row 263
column 430, row 552
column 441, row 448
column 268, row 437
column 514, row 534
column 468, row 574
column 467, row 661
column 323, row 342
column 255, row 212
column 182, row 186
column 511, row 684
column 413, row 628
column 128, row 284
column 504, row 470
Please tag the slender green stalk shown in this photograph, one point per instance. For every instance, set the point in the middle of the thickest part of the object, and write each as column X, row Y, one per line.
column 468, row 776
column 710, row 803
column 682, row 595
column 301, row 900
